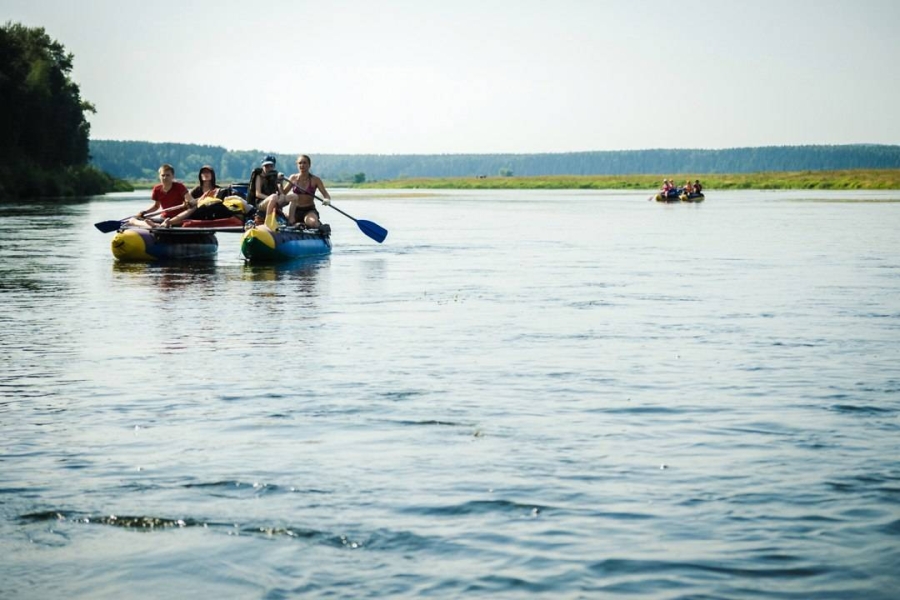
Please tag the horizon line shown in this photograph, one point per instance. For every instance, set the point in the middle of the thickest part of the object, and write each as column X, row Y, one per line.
column 696, row 149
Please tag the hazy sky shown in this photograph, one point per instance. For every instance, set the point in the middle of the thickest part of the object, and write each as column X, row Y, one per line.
column 481, row 76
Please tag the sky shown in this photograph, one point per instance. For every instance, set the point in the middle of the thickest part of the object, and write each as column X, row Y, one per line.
column 481, row 76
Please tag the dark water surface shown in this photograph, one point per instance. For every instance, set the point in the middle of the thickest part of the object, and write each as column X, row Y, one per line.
column 519, row 394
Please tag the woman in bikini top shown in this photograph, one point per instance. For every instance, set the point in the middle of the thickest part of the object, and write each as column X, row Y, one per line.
column 302, row 195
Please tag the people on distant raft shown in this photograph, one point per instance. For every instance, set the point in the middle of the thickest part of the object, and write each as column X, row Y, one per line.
column 303, row 187
column 665, row 187
column 206, row 201
column 673, row 191
column 167, row 194
column 698, row 189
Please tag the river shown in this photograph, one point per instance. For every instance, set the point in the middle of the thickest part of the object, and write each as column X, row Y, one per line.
column 519, row 394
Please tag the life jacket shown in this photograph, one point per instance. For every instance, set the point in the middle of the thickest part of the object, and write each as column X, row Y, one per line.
column 251, row 196
column 269, row 184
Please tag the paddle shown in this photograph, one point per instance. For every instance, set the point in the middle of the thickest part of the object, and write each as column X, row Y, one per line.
column 373, row 230
column 109, row 226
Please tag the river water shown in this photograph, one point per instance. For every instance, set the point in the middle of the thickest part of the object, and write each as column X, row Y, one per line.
column 518, row 394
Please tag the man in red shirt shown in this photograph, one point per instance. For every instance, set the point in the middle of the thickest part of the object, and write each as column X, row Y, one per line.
column 167, row 194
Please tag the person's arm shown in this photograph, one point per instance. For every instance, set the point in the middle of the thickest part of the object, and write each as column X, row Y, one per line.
column 290, row 184
column 284, row 184
column 153, row 207
column 179, row 218
column 325, row 195
column 257, row 190
column 294, row 196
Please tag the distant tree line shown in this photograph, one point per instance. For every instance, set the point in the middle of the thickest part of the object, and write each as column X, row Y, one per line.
column 139, row 160
column 135, row 160
column 44, row 135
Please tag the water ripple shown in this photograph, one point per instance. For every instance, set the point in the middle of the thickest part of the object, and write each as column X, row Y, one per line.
column 638, row 401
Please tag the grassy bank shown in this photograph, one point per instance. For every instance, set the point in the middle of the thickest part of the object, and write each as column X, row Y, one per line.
column 862, row 179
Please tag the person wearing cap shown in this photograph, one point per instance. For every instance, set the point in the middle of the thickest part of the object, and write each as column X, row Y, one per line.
column 267, row 182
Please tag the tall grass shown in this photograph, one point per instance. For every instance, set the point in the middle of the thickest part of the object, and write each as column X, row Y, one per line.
column 850, row 179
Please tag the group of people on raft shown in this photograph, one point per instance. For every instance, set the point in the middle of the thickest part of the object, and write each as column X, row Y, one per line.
column 268, row 193
column 691, row 190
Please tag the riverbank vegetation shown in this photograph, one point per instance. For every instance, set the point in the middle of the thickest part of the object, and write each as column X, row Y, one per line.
column 849, row 179
column 135, row 160
column 44, row 151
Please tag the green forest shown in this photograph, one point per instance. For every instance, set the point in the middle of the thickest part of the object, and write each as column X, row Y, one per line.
column 45, row 136
column 134, row 160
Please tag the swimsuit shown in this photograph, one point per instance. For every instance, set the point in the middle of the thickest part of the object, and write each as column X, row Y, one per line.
column 309, row 191
column 301, row 211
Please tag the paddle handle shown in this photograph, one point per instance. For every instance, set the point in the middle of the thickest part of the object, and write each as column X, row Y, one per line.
column 340, row 211
column 152, row 214
column 110, row 226
column 322, row 200
column 373, row 230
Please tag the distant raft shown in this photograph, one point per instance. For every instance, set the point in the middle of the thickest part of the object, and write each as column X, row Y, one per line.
column 680, row 198
column 263, row 245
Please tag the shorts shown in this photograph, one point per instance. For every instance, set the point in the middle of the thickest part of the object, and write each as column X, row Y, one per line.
column 302, row 211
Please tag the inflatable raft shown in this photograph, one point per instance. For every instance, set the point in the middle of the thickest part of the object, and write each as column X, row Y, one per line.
column 148, row 245
column 680, row 198
column 263, row 245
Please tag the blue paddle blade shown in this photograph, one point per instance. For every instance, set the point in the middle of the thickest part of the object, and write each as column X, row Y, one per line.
column 373, row 230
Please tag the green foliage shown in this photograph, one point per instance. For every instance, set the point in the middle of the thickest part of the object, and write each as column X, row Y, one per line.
column 44, row 148
column 43, row 113
column 359, row 178
column 139, row 160
column 75, row 180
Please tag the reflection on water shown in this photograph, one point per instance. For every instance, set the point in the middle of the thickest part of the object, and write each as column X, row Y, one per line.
column 168, row 275
column 205, row 277
column 304, row 269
